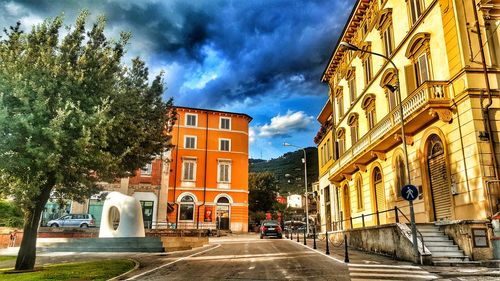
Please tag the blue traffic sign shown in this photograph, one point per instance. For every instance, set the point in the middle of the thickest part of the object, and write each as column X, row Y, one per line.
column 409, row 192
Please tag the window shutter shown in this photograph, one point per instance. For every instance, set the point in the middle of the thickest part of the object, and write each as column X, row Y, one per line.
column 411, row 81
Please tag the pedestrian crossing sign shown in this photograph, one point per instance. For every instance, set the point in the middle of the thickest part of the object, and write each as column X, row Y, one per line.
column 409, row 192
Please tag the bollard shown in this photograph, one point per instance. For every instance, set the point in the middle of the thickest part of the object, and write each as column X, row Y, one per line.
column 305, row 238
column 327, row 244
column 298, row 234
column 314, row 237
column 346, row 254
column 291, row 234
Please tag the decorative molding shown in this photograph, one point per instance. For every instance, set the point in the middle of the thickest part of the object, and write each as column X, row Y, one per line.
column 347, row 176
column 444, row 114
column 409, row 139
column 379, row 154
column 361, row 167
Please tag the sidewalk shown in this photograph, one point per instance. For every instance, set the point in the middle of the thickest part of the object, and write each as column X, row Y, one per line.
column 361, row 257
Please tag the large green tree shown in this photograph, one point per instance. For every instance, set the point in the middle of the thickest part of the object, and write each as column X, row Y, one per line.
column 72, row 115
column 263, row 190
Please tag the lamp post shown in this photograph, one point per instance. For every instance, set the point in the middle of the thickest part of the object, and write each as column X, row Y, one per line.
column 401, row 118
column 305, row 182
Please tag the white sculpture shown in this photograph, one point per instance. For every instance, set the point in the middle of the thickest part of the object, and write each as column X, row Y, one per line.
column 121, row 217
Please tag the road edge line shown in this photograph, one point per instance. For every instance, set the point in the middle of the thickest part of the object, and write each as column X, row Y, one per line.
column 136, row 266
column 319, row 252
column 172, row 262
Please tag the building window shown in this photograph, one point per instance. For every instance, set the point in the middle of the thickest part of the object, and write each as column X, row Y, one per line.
column 225, row 123
column 388, row 38
column 422, row 69
column 353, row 123
column 147, row 169
column 400, row 179
column 369, row 106
column 224, row 145
column 352, row 89
column 190, row 142
column 322, row 150
column 367, row 66
column 418, row 52
column 186, row 212
column 340, row 105
column 191, row 120
column 189, row 170
column 359, row 192
column 341, row 141
column 328, row 149
column 224, row 172
column 387, row 82
column 416, row 9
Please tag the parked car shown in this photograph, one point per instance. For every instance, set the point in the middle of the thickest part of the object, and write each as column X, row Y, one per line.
column 270, row 228
column 73, row 220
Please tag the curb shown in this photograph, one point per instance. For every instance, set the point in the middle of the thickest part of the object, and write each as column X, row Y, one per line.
column 137, row 264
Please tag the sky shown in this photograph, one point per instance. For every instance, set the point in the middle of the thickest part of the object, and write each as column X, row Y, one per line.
column 263, row 58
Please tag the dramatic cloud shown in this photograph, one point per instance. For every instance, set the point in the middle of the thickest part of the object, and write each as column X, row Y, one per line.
column 285, row 125
column 226, row 55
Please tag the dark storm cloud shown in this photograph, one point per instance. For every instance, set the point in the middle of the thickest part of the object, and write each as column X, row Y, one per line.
column 258, row 48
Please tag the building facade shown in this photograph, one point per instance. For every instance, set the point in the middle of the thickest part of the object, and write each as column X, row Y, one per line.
column 444, row 82
column 201, row 183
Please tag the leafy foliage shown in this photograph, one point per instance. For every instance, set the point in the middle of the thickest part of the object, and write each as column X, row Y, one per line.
column 291, row 164
column 262, row 191
column 72, row 115
column 10, row 214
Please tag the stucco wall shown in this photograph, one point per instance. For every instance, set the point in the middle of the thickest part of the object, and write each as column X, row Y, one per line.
column 461, row 233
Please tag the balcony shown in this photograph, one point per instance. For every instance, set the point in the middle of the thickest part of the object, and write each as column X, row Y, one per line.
column 426, row 104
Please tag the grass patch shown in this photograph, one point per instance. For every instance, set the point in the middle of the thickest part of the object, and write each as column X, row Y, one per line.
column 94, row 270
column 7, row 258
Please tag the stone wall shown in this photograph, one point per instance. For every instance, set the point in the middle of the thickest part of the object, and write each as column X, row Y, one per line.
column 386, row 239
column 461, row 233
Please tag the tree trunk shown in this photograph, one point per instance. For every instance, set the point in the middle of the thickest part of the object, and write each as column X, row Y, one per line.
column 27, row 253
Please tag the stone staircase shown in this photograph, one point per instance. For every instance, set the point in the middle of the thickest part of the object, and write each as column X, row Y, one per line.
column 126, row 244
column 444, row 251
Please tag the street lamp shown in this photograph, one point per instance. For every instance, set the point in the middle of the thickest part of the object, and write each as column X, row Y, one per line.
column 393, row 89
column 305, row 182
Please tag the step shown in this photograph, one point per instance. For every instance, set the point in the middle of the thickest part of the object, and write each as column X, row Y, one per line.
column 437, row 239
column 101, row 249
column 448, row 248
column 459, row 263
column 446, row 256
column 438, row 243
column 430, row 234
column 427, row 230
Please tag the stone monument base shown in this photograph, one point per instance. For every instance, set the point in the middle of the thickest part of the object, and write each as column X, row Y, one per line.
column 113, row 244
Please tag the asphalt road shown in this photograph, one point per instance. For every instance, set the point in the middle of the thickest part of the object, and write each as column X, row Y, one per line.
column 249, row 259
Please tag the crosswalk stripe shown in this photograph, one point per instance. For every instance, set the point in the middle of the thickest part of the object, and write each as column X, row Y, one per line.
column 388, row 272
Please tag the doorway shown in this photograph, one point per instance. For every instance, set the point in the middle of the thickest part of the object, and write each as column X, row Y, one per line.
column 346, row 206
column 222, row 214
column 378, row 187
column 438, row 178
column 147, row 213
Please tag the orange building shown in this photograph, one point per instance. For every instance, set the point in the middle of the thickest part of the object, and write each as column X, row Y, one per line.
column 202, row 182
column 208, row 182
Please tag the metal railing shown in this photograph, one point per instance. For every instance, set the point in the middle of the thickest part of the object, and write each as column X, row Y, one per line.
column 339, row 224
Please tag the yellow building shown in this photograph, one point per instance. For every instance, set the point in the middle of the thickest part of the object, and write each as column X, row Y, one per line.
column 450, row 105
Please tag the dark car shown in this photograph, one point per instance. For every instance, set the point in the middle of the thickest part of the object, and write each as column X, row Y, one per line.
column 270, row 228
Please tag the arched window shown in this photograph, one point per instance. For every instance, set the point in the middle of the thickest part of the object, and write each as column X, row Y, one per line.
column 359, row 192
column 351, row 80
column 419, row 54
column 416, row 9
column 389, row 79
column 223, row 200
column 369, row 106
column 341, row 141
column 186, row 212
column 366, row 57
column 401, row 178
column 353, row 123
column 384, row 25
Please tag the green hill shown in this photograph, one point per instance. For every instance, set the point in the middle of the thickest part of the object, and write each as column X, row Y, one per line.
column 290, row 164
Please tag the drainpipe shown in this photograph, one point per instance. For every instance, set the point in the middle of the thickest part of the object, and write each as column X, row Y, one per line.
column 204, row 176
column 175, row 174
column 485, row 108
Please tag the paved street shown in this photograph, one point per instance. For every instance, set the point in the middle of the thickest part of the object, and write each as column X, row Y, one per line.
column 251, row 259
column 246, row 257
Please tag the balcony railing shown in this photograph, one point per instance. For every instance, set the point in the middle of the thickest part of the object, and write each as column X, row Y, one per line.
column 429, row 94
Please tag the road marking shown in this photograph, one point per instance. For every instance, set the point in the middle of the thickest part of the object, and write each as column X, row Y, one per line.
column 390, row 272
column 317, row 251
column 170, row 263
